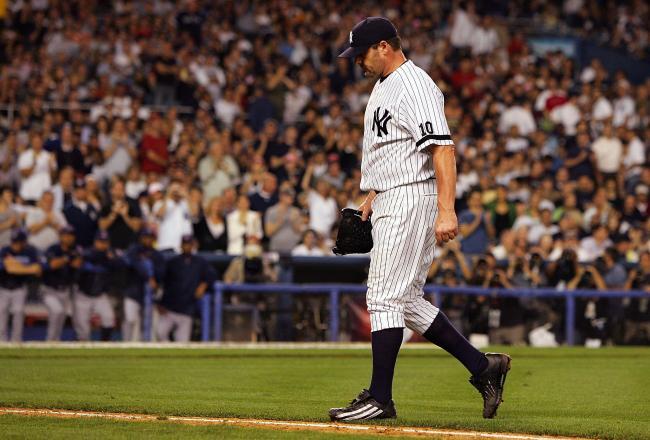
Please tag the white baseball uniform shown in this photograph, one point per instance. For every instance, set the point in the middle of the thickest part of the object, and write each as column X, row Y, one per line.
column 404, row 120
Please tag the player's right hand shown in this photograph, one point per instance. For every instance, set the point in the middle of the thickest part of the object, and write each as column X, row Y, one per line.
column 366, row 206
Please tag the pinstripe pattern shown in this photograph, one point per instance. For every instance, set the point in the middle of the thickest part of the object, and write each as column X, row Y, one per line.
column 398, row 157
column 397, row 162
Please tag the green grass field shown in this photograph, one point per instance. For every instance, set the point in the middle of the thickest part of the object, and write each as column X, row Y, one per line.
column 597, row 393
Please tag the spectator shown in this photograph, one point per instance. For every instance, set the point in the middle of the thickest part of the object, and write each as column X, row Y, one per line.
column 173, row 216
column 217, row 171
column 95, row 280
column 608, row 153
column 82, row 215
column 475, row 226
column 35, row 165
column 544, row 227
column 309, row 245
column 63, row 189
column 164, row 76
column 118, row 152
column 43, row 223
column 637, row 312
column 145, row 266
column 20, row 267
column 9, row 219
column 241, row 223
column 63, row 262
column 266, row 196
column 120, row 217
column 283, row 224
column 154, row 157
column 594, row 246
column 210, row 228
column 186, row 279
column 322, row 206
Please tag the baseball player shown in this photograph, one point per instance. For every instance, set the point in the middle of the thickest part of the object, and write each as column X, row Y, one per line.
column 408, row 168
column 145, row 265
column 95, row 278
column 20, row 265
column 62, row 262
column 187, row 277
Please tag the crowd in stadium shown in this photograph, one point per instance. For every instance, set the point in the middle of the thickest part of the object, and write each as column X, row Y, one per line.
column 232, row 127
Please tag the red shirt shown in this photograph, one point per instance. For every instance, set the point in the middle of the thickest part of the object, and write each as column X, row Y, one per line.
column 157, row 145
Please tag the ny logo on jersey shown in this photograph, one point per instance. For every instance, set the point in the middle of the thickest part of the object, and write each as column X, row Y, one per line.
column 380, row 123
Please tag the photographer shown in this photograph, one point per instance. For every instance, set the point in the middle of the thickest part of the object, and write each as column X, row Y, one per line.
column 591, row 313
column 505, row 314
column 637, row 310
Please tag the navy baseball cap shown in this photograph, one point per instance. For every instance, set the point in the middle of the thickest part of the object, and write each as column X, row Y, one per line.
column 102, row 236
column 147, row 232
column 18, row 235
column 67, row 229
column 187, row 238
column 367, row 33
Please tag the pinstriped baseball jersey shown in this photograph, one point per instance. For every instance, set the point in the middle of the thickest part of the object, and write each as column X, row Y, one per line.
column 404, row 117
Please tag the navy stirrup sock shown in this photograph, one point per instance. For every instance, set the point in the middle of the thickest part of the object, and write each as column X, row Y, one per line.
column 385, row 347
column 445, row 336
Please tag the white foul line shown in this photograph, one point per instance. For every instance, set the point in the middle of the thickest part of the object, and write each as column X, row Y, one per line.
column 281, row 424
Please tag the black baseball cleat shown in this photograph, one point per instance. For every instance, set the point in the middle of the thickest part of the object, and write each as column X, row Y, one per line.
column 490, row 382
column 364, row 407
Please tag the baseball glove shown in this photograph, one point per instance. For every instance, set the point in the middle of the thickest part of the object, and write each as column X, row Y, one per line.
column 354, row 236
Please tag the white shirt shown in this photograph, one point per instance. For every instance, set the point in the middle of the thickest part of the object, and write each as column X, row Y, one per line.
column 484, row 41
column 462, row 29
column 302, row 251
column 519, row 116
column 609, row 154
column 602, row 109
column 623, row 109
column 568, row 115
column 174, row 223
column 237, row 231
column 635, row 156
column 32, row 187
column 404, row 118
column 322, row 213
column 48, row 235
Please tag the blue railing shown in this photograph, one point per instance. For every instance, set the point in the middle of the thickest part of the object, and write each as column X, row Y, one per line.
column 214, row 304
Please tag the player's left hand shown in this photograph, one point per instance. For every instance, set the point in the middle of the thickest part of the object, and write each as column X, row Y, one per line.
column 446, row 227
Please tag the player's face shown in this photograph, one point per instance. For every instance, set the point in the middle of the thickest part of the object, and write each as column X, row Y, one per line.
column 371, row 63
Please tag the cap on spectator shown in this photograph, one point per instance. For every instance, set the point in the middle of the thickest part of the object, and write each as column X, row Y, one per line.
column 101, row 236
column 367, row 33
column 147, row 232
column 333, row 157
column 155, row 187
column 641, row 189
column 67, row 229
column 187, row 238
column 546, row 205
column 291, row 157
column 288, row 191
column 18, row 235
column 79, row 183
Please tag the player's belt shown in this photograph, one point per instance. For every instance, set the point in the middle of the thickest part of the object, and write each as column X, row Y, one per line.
column 411, row 183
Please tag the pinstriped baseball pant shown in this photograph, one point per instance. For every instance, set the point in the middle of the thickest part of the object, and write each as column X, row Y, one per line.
column 403, row 221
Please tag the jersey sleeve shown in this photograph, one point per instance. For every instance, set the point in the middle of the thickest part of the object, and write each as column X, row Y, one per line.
column 422, row 114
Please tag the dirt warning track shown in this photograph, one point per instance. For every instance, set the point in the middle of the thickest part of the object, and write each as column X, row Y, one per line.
column 285, row 425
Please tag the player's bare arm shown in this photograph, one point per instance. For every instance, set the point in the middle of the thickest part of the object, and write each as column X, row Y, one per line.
column 444, row 162
column 366, row 206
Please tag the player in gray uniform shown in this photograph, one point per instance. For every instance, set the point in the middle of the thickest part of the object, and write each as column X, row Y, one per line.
column 408, row 168
column 62, row 260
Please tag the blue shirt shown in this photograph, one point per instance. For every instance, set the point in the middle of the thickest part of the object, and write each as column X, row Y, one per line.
column 28, row 255
column 477, row 241
column 183, row 274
